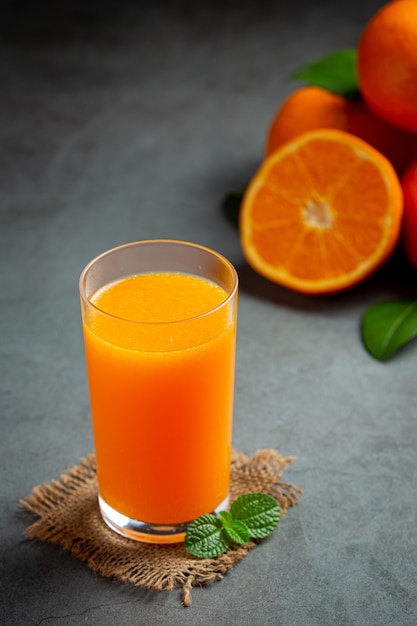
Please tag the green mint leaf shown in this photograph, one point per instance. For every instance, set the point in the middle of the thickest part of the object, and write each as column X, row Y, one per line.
column 205, row 537
column 225, row 517
column 388, row 326
column 237, row 532
column 335, row 72
column 253, row 515
column 259, row 511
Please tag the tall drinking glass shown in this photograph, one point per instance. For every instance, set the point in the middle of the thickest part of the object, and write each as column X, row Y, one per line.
column 159, row 321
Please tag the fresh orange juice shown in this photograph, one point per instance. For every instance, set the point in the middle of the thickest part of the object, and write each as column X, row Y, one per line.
column 160, row 351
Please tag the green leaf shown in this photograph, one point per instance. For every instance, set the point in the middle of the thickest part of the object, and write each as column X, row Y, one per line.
column 225, row 517
column 251, row 515
column 205, row 537
column 335, row 72
column 259, row 511
column 388, row 326
column 235, row 530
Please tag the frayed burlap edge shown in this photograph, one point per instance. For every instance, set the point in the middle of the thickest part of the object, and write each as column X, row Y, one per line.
column 69, row 517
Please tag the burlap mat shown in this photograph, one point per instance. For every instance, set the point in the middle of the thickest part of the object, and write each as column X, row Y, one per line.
column 69, row 517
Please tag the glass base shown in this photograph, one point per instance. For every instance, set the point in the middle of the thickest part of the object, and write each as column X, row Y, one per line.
column 148, row 533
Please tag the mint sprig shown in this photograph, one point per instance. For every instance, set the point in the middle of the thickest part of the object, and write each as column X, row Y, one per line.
column 252, row 515
column 259, row 512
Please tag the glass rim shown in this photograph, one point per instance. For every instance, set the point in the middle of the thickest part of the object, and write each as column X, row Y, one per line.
column 179, row 242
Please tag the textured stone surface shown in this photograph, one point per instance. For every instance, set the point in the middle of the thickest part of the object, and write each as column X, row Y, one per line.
column 125, row 120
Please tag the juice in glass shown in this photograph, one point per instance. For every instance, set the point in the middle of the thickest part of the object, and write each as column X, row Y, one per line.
column 160, row 351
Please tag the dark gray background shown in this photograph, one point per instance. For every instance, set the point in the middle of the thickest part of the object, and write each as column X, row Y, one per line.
column 123, row 121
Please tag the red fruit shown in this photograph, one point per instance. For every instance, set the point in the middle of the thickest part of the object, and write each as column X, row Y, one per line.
column 409, row 224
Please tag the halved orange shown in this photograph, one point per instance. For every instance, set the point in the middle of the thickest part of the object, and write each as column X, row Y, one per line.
column 322, row 213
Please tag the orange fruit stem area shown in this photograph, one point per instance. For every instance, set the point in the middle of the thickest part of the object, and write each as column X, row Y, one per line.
column 322, row 213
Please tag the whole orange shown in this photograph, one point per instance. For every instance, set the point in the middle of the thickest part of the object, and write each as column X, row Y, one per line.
column 313, row 108
column 387, row 63
column 409, row 224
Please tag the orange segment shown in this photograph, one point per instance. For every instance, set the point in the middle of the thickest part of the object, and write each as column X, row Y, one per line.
column 322, row 213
